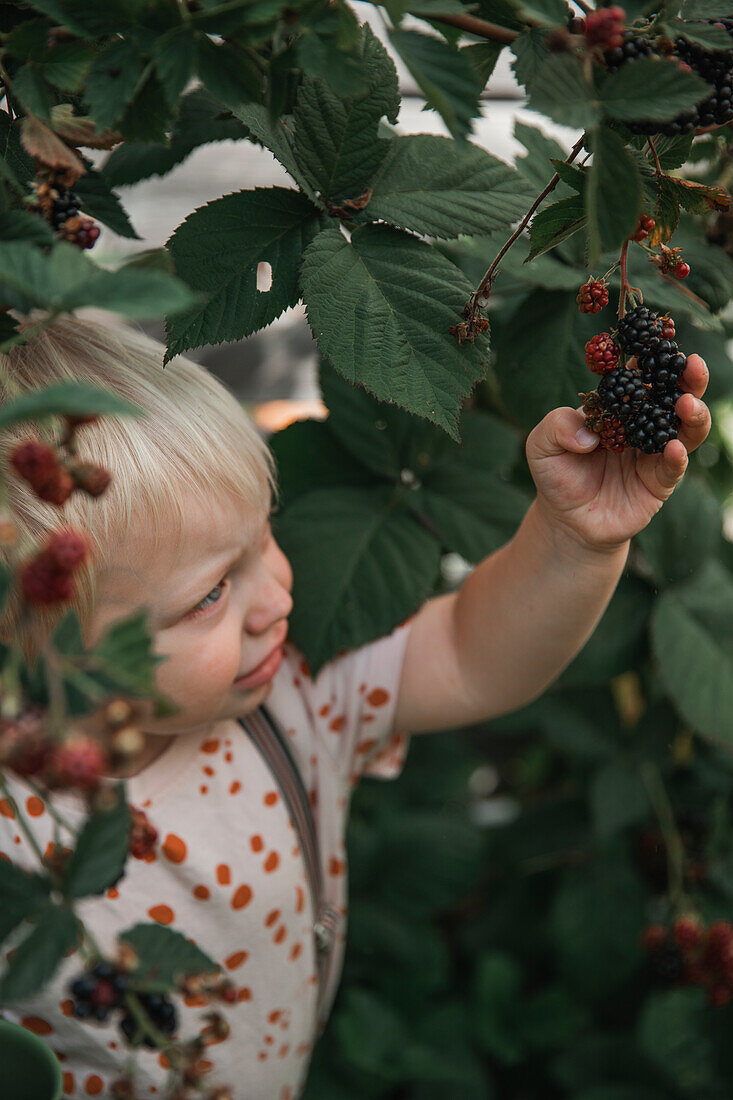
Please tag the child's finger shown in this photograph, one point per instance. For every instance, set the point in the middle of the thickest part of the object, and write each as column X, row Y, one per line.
column 695, row 376
column 695, row 420
column 661, row 474
column 561, row 430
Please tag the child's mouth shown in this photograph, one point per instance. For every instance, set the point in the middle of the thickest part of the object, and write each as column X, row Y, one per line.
column 264, row 671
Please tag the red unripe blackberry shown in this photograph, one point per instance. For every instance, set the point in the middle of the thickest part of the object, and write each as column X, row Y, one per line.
column 90, row 478
column 78, row 761
column 67, row 549
column 719, row 995
column 612, row 435
column 644, row 228
column 81, row 231
column 601, row 353
column 654, row 936
column 681, row 270
column 687, row 932
column 143, row 835
column 592, row 296
column 720, row 940
column 24, row 745
column 43, row 583
column 34, row 461
column 605, row 27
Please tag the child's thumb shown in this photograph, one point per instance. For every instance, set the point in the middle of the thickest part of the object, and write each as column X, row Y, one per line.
column 561, row 430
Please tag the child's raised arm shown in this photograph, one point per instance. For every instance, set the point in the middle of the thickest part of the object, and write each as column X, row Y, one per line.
column 525, row 612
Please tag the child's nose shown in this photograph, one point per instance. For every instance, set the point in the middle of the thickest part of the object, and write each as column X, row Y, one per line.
column 273, row 603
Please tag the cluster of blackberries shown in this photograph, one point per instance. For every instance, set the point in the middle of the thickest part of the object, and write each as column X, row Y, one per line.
column 690, row 954
column 634, row 406
column 714, row 66
column 65, row 205
column 61, row 209
column 102, row 991
column 650, row 851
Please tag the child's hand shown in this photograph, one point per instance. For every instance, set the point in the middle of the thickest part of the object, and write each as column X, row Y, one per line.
column 602, row 498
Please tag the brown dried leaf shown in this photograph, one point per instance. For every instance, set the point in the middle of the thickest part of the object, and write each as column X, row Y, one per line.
column 714, row 198
column 45, row 146
column 80, row 130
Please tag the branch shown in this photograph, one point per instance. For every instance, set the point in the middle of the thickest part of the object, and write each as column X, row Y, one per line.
column 484, row 287
column 479, row 27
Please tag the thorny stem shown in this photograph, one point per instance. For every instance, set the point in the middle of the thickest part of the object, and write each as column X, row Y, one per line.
column 484, row 286
column 480, row 27
column 624, row 283
column 656, row 158
column 675, row 851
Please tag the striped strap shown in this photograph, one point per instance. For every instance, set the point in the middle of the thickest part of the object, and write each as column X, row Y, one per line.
column 272, row 743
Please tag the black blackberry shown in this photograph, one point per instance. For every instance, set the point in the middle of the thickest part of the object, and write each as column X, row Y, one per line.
column 64, row 207
column 162, row 1015
column 98, row 993
column 632, row 49
column 651, row 428
column 637, row 329
column 662, row 364
column 620, row 391
column 667, row 963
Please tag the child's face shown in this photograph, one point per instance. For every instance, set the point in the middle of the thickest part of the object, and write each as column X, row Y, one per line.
column 217, row 608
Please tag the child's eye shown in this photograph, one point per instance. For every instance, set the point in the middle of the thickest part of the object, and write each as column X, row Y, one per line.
column 209, row 600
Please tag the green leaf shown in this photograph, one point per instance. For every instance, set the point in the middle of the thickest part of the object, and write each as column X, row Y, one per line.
column 100, row 202
column 530, row 54
column 709, row 37
column 684, row 534
column 497, row 983
column 692, row 641
column 38, row 956
column 78, row 398
column 336, row 144
column 17, row 164
column 551, row 1018
column 101, row 852
column 380, row 306
column 482, row 57
column 278, row 138
column 618, row 642
column 618, row 797
column 112, row 81
column 125, row 655
column 561, row 92
column 541, row 150
column 673, row 151
column 666, row 209
column 32, row 90
column 217, row 250
column 67, row 64
column 361, row 565
column 674, row 1032
column 22, row 893
column 371, row 1035
column 434, row 186
column 653, row 88
column 21, row 225
column 443, row 75
column 705, row 9
column 308, row 457
column 228, row 74
column 175, row 55
column 165, row 956
column 148, row 116
column 613, row 196
column 553, row 13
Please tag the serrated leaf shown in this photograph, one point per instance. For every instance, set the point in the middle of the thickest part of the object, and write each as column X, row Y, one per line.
column 572, row 174
column 217, row 250
column 561, row 92
column 31, row 89
column 336, row 145
column 613, row 197
column 709, row 37
column 380, row 306
column 100, row 202
column 361, row 565
column 45, row 146
column 100, row 853
column 175, row 55
column 17, row 163
column 113, row 80
column 77, row 398
column 653, row 89
column 443, row 75
column 666, row 213
column 38, row 956
column 481, row 56
column 228, row 74
column 165, row 956
column 555, row 224
column 278, row 138
column 148, row 116
column 692, row 641
column 22, row 895
column 673, row 151
column 530, row 54
column 697, row 198
column 125, row 655
column 66, row 65
column 434, row 186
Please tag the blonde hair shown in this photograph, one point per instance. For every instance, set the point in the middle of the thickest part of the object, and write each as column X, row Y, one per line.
column 194, row 438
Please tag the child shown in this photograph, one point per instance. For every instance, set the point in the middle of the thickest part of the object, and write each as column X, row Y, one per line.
column 183, row 530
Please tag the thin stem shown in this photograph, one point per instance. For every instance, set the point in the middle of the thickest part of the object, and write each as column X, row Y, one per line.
column 480, row 27
column 675, row 850
column 23, row 824
column 656, row 158
column 53, row 812
column 57, row 695
column 484, row 286
column 583, row 7
column 624, row 283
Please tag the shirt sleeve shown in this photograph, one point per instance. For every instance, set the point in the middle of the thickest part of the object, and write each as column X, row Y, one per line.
column 352, row 705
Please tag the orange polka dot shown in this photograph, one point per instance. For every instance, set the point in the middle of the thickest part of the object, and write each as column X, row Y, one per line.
column 174, row 848
column 286, row 1094
column 304, row 668
column 228, row 757
column 194, row 1000
column 338, row 723
column 113, row 893
column 272, row 862
column 67, row 1007
column 272, row 918
column 163, row 914
column 362, row 688
column 269, row 1040
column 296, row 682
column 299, row 899
column 296, row 851
column 257, row 843
column 295, row 950
column 68, row 1083
column 208, row 770
column 204, row 1065
column 150, row 857
column 244, row 994
column 223, row 874
column 164, row 1061
column 261, row 1056
column 34, row 806
column 6, row 809
column 93, row 1085
column 377, row 697
column 336, row 866
column 367, row 718
column 235, row 960
column 242, row 896
column 204, row 789
column 210, row 746
column 324, row 710
column 16, row 839
column 147, row 803
column 236, row 786
column 228, row 741
column 36, row 1025
column 270, row 798
column 280, row 934
column 366, row 746
column 283, row 1050
column 201, row 892
column 112, row 1044
column 274, row 1016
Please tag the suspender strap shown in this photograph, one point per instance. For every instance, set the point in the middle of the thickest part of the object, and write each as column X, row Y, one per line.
column 272, row 743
